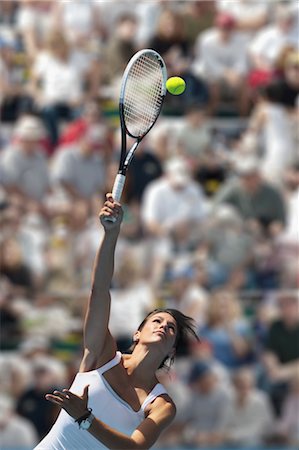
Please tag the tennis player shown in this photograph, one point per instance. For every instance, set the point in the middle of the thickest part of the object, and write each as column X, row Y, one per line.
column 116, row 401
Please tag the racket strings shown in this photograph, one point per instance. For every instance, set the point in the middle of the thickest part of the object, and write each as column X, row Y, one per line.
column 143, row 95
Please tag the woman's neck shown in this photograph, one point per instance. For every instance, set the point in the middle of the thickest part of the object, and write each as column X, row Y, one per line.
column 142, row 365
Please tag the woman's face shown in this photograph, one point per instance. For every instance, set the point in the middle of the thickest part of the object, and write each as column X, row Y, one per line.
column 159, row 328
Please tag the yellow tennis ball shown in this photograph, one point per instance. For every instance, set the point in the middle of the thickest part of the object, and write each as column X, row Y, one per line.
column 175, row 85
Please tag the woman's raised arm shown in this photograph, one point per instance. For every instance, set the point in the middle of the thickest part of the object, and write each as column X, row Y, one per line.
column 99, row 345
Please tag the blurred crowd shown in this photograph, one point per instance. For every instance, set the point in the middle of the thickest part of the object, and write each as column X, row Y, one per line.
column 211, row 207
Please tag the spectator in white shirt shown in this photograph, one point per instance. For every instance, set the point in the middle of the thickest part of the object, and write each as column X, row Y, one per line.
column 24, row 163
column 172, row 207
column 57, row 84
column 172, row 200
column 221, row 59
column 272, row 39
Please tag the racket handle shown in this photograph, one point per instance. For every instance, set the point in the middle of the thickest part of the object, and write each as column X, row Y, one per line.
column 117, row 191
column 118, row 186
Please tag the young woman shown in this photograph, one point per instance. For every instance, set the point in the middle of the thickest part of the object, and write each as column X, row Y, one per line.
column 129, row 406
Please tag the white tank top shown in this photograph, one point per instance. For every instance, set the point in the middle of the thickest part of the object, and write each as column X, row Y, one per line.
column 106, row 405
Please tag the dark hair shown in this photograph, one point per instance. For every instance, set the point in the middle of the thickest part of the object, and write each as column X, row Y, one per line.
column 185, row 328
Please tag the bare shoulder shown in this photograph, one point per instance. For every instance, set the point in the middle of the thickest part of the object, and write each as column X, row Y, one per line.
column 162, row 407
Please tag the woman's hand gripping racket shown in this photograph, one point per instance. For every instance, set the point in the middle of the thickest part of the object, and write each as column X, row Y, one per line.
column 141, row 97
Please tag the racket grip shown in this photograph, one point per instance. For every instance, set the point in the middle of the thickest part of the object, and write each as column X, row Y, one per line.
column 118, row 186
column 117, row 191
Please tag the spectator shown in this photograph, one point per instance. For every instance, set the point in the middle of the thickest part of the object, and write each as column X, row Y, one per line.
column 203, row 352
column 205, row 413
column 79, row 169
column 120, row 47
column 14, row 100
column 172, row 200
column 211, row 172
column 268, row 43
column 14, row 268
column 255, row 199
column 25, row 165
column 227, row 330
column 171, row 208
column 194, row 137
column 57, row 84
column 32, row 404
column 34, row 21
column 15, row 431
column 10, row 319
column 226, row 230
column 91, row 115
column 182, row 291
column 250, row 17
column 198, row 16
column 145, row 168
column 281, row 356
column 249, row 415
column 132, row 297
column 220, row 58
column 287, row 426
column 171, row 42
column 80, row 21
column 273, row 129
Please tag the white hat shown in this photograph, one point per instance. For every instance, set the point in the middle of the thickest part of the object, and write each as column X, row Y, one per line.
column 177, row 170
column 247, row 165
column 30, row 127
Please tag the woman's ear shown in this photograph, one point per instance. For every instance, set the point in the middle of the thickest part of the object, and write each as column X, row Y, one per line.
column 136, row 336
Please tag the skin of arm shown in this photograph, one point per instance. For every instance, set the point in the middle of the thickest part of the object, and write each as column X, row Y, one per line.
column 99, row 345
column 277, row 371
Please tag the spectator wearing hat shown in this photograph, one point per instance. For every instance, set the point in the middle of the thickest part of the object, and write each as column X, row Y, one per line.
column 172, row 207
column 25, row 165
column 173, row 199
column 204, row 416
column 221, row 59
column 253, row 197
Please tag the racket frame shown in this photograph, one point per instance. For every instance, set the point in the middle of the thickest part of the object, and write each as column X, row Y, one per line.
column 126, row 157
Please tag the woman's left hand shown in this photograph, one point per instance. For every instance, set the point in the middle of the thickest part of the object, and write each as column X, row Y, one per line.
column 73, row 404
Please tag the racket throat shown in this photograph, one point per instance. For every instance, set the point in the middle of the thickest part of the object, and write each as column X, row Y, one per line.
column 130, row 156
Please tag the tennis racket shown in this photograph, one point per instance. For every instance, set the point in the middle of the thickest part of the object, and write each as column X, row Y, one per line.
column 142, row 93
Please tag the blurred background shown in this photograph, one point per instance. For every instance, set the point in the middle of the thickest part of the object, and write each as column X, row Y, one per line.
column 211, row 208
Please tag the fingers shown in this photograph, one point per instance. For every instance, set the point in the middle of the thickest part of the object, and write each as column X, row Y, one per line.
column 111, row 208
column 69, row 394
column 55, row 399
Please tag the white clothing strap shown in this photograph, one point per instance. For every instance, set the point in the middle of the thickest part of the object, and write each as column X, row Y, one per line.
column 159, row 389
column 113, row 362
